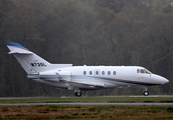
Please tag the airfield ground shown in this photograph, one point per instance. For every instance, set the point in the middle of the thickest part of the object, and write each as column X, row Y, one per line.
column 87, row 111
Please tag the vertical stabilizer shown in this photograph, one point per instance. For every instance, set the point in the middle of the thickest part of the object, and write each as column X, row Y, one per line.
column 31, row 63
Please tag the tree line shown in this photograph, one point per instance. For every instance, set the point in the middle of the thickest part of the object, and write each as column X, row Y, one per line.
column 96, row 32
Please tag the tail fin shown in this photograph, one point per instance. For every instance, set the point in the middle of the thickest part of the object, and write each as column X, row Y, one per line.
column 31, row 63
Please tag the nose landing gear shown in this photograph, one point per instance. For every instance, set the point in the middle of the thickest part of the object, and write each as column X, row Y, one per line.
column 146, row 93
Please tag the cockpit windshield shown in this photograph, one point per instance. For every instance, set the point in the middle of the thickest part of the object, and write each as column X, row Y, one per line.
column 147, row 71
column 143, row 71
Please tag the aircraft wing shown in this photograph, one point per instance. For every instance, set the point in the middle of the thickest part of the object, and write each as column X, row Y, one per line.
column 67, row 79
column 57, row 77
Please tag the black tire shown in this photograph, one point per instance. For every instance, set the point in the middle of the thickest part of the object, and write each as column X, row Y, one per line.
column 78, row 94
column 145, row 93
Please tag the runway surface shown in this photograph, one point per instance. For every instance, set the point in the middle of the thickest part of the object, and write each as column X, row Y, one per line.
column 27, row 104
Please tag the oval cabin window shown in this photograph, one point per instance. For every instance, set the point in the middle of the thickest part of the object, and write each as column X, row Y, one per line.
column 84, row 72
column 114, row 72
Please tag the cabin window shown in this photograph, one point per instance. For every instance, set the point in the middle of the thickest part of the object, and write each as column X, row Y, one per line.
column 114, row 72
column 90, row 72
column 84, row 72
column 97, row 72
column 103, row 72
column 109, row 72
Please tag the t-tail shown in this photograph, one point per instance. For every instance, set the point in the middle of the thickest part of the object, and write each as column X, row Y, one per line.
column 32, row 63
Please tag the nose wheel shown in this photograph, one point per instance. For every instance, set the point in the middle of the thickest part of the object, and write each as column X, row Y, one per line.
column 146, row 93
column 78, row 94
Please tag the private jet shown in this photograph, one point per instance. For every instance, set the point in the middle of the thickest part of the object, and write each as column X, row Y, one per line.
column 83, row 78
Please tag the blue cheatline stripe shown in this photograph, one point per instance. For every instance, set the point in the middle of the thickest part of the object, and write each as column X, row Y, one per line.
column 131, row 82
column 123, row 81
column 108, row 79
column 15, row 45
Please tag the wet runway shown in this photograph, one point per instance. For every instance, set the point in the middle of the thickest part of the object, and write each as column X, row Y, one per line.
column 28, row 104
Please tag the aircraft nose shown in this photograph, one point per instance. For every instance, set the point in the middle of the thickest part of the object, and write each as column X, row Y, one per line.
column 162, row 80
column 165, row 80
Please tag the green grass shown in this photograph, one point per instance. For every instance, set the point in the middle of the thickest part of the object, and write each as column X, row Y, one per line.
column 90, row 99
column 86, row 112
column 82, row 112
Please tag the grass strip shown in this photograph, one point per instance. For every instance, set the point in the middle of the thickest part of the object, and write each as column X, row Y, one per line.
column 86, row 112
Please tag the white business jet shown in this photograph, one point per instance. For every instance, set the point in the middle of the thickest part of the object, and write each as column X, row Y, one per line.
column 78, row 78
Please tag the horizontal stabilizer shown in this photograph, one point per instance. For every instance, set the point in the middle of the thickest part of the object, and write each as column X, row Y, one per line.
column 15, row 45
column 21, row 52
column 16, row 48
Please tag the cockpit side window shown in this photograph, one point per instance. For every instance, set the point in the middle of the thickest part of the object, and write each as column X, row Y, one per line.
column 142, row 71
column 138, row 71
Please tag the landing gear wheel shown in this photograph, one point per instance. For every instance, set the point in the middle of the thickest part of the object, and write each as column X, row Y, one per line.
column 78, row 94
column 145, row 93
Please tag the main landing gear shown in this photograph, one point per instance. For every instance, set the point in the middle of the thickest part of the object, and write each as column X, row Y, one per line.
column 78, row 94
column 146, row 93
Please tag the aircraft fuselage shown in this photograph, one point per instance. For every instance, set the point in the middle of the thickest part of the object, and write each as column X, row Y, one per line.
column 99, row 77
